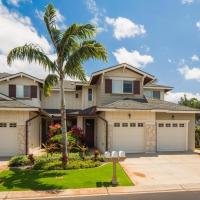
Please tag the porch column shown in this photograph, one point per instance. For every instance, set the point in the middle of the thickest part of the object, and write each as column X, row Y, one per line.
column 80, row 122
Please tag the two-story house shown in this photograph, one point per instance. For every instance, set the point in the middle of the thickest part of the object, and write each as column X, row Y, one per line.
column 119, row 108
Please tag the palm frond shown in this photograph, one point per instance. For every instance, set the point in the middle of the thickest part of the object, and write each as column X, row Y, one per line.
column 50, row 21
column 76, row 71
column 88, row 49
column 31, row 53
column 50, row 81
column 76, row 32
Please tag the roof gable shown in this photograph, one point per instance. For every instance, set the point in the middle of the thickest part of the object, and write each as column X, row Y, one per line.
column 21, row 74
column 148, row 77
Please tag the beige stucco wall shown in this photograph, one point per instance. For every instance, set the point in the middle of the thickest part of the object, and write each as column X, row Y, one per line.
column 53, row 101
column 105, row 98
column 85, row 102
column 191, row 125
column 4, row 89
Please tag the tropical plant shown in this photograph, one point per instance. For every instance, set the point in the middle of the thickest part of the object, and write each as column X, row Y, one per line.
column 73, row 47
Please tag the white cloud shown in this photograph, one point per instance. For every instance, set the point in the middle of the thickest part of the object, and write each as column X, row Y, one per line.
column 18, row 30
column 198, row 25
column 60, row 19
column 169, row 60
column 195, row 57
column 188, row 2
column 176, row 96
column 97, row 15
column 125, row 28
column 132, row 57
column 190, row 73
column 17, row 2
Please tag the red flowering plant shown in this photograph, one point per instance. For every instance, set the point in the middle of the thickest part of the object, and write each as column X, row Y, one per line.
column 53, row 143
column 77, row 132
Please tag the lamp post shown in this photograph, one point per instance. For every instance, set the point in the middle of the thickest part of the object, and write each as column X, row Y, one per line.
column 115, row 157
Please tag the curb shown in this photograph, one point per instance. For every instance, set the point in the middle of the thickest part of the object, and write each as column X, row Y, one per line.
column 98, row 191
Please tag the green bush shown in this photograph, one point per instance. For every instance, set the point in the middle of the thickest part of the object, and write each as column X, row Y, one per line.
column 80, row 164
column 74, row 156
column 19, row 161
column 56, row 139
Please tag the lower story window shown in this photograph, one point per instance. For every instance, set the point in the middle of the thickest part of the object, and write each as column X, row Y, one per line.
column 181, row 125
column 116, row 124
column 140, row 124
column 174, row 125
column 124, row 124
column 13, row 125
column 132, row 125
column 2, row 124
column 160, row 125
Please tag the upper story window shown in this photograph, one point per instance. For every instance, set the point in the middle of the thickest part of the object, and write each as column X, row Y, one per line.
column 90, row 94
column 128, row 87
column 23, row 91
column 122, row 86
column 152, row 94
column 117, row 86
column 156, row 94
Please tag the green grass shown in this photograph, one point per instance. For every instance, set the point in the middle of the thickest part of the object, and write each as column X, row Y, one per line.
column 61, row 179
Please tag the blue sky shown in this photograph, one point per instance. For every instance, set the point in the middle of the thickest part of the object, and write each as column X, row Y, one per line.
column 160, row 37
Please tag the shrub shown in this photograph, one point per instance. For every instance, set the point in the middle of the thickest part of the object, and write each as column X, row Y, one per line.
column 18, row 161
column 74, row 156
column 80, row 164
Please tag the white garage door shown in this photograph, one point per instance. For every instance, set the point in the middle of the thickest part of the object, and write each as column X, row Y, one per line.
column 172, row 136
column 128, row 137
column 8, row 139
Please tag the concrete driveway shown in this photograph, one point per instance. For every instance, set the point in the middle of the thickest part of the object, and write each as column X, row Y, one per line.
column 163, row 169
column 4, row 163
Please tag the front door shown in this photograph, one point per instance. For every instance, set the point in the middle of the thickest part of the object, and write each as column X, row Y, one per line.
column 89, row 132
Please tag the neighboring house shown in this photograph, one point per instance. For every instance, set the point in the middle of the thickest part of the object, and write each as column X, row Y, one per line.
column 119, row 108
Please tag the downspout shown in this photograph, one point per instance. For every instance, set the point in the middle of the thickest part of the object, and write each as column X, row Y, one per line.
column 27, row 121
column 106, row 122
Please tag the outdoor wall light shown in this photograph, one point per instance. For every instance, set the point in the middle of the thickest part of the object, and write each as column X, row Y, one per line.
column 115, row 157
column 173, row 116
column 129, row 115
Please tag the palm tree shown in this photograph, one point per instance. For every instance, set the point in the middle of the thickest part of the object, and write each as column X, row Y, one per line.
column 73, row 47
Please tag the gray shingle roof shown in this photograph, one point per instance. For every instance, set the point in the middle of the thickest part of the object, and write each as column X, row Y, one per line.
column 157, row 85
column 13, row 104
column 4, row 74
column 147, row 104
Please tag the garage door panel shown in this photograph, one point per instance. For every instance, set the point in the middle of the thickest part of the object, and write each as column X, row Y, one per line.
column 171, row 137
column 8, row 141
column 128, row 139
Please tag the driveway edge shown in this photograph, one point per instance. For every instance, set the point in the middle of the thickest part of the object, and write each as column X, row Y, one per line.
column 98, row 191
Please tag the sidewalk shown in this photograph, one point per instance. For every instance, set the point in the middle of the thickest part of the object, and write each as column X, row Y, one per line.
column 98, row 191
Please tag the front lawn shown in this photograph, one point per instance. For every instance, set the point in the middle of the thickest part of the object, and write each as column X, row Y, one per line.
column 61, row 179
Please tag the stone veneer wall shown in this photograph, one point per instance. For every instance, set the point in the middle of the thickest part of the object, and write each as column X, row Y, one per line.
column 21, row 139
column 150, row 137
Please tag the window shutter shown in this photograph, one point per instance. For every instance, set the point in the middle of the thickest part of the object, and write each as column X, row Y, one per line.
column 108, row 85
column 136, row 85
column 12, row 91
column 33, row 91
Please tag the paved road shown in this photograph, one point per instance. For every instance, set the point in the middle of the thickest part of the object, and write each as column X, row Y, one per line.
column 156, row 196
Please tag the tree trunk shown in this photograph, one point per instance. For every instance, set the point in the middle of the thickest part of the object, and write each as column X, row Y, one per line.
column 63, row 118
